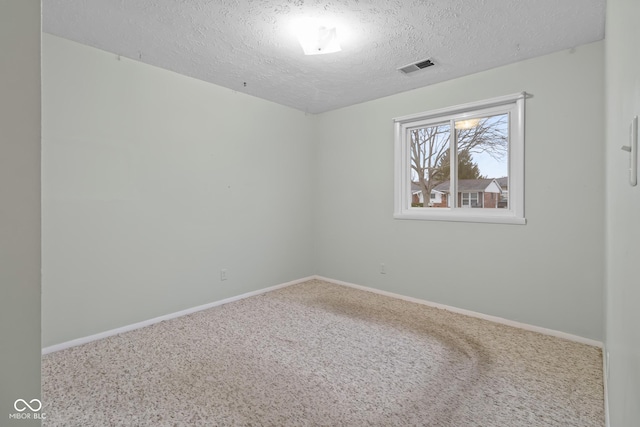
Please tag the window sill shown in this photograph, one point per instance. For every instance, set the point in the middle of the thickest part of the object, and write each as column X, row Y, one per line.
column 500, row 217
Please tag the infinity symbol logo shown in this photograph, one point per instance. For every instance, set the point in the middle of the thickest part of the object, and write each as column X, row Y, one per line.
column 26, row 405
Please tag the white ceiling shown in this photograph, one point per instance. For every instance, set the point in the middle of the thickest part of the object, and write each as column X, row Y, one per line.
column 230, row 42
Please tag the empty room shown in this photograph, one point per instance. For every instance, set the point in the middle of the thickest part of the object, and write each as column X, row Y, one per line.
column 319, row 213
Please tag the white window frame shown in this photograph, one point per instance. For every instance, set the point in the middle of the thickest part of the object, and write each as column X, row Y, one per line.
column 511, row 104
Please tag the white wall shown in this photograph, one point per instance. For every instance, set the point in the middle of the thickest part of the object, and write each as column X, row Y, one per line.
column 152, row 183
column 623, row 214
column 547, row 273
column 19, row 206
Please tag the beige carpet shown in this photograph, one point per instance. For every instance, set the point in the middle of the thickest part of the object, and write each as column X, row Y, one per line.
column 318, row 354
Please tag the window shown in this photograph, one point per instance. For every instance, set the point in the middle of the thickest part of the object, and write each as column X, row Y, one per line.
column 470, row 200
column 471, row 156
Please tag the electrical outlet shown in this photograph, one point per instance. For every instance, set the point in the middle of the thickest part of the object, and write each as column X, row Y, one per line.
column 223, row 274
column 383, row 269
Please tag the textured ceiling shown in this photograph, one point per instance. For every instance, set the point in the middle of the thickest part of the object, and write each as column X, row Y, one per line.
column 230, row 42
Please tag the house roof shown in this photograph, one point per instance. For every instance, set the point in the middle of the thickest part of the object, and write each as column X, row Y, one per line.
column 415, row 188
column 503, row 182
column 467, row 185
column 464, row 185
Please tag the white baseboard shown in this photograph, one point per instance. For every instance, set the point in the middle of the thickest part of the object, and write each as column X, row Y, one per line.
column 105, row 334
column 495, row 319
column 127, row 328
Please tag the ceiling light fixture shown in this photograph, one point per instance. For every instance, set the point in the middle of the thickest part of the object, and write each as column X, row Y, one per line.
column 318, row 40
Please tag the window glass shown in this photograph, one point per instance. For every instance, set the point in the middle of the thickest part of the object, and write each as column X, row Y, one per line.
column 429, row 147
column 482, row 145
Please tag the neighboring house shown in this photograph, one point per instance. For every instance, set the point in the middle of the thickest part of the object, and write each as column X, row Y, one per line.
column 437, row 198
column 472, row 193
column 504, row 197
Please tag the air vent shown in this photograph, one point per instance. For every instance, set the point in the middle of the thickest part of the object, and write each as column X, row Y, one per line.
column 416, row 66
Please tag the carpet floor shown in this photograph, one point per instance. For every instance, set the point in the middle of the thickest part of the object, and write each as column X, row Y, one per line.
column 319, row 354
